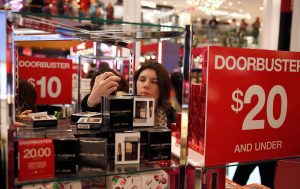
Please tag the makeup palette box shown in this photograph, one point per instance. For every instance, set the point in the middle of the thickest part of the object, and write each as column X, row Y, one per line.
column 92, row 152
column 44, row 121
column 124, row 181
column 159, row 144
column 66, row 155
column 89, row 123
column 143, row 111
column 109, row 135
column 77, row 116
column 127, row 148
column 118, row 110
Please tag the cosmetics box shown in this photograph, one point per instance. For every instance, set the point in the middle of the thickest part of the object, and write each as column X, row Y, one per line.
column 159, row 144
column 89, row 123
column 118, row 110
column 109, row 135
column 124, row 181
column 143, row 111
column 127, row 148
column 77, row 116
column 143, row 141
column 41, row 119
column 66, row 151
column 155, row 179
column 92, row 152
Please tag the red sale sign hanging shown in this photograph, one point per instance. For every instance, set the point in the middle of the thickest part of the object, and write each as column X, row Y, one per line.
column 51, row 77
column 252, row 105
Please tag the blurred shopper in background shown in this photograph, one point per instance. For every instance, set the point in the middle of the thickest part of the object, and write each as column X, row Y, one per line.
column 255, row 30
column 212, row 28
column 233, row 26
column 27, row 100
column 176, row 97
column 109, row 11
column 243, row 26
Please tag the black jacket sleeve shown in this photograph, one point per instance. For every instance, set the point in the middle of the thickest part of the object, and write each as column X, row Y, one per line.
column 85, row 107
column 171, row 115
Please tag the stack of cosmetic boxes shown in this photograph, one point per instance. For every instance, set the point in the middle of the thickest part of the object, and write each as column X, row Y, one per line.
column 115, row 142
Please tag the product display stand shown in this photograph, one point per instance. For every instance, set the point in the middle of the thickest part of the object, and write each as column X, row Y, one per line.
column 55, row 28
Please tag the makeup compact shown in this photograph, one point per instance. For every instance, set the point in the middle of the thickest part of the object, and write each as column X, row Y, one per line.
column 143, row 111
column 127, row 148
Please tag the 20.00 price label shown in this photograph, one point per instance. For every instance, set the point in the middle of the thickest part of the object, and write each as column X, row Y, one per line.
column 31, row 153
column 249, row 122
column 48, row 86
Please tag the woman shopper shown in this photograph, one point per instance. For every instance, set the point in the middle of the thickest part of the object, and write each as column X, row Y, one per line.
column 151, row 80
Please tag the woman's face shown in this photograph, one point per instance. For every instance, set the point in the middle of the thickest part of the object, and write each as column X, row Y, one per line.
column 147, row 84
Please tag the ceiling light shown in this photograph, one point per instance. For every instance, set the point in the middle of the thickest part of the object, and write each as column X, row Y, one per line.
column 261, row 8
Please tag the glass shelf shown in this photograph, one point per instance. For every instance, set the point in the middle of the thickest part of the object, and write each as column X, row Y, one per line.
column 144, row 166
column 107, row 31
column 111, row 169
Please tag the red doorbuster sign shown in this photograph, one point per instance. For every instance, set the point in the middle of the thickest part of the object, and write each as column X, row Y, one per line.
column 252, row 105
column 51, row 77
column 36, row 159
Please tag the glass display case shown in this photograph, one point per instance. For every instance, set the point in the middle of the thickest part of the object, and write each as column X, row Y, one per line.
column 60, row 30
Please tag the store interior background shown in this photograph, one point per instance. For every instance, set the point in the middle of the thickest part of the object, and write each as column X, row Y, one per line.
column 181, row 13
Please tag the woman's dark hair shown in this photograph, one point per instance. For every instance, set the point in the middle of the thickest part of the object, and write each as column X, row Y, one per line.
column 104, row 67
column 27, row 96
column 176, row 80
column 163, row 80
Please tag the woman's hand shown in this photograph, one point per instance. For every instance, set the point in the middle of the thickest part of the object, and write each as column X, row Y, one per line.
column 24, row 115
column 105, row 84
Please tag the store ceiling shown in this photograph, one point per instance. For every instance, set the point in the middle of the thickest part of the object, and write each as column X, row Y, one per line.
column 243, row 7
column 253, row 7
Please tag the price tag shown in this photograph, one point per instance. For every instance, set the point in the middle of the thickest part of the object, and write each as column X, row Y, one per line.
column 52, row 78
column 252, row 105
column 36, row 159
